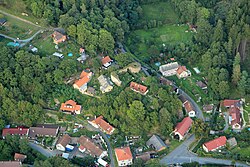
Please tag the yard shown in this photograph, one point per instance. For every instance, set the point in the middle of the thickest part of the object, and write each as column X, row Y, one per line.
column 18, row 29
column 160, row 11
column 45, row 45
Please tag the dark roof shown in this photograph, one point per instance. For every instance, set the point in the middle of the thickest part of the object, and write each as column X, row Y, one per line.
column 182, row 98
column 156, row 142
column 39, row 131
column 53, row 126
column 2, row 21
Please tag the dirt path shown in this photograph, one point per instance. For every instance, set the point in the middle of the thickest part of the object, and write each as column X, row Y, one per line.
column 16, row 17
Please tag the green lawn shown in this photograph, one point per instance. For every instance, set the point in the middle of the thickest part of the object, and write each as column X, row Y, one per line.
column 166, row 34
column 160, row 11
column 17, row 28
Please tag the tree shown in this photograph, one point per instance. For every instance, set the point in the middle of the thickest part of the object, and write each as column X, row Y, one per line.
column 166, row 125
column 218, row 32
column 72, row 31
column 106, row 41
column 199, row 128
column 223, row 89
column 243, row 83
column 236, row 70
column 123, row 59
column 136, row 111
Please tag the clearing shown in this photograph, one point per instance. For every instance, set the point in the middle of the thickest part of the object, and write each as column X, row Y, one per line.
column 18, row 29
column 160, row 11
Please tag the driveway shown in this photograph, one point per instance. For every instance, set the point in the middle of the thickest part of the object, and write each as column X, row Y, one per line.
column 44, row 151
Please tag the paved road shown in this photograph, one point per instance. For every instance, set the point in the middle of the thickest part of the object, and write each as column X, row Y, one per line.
column 182, row 155
column 16, row 17
column 22, row 40
column 44, row 151
column 91, row 128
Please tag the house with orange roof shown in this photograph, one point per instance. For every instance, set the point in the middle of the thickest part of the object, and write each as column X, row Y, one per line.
column 106, row 62
column 99, row 122
column 82, row 83
column 215, row 144
column 71, row 107
column 138, row 88
column 182, row 128
column 189, row 109
column 182, row 72
column 58, row 37
column 124, row 156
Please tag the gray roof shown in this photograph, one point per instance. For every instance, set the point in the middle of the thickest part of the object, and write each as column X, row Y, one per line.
column 169, row 66
column 232, row 142
column 182, row 98
column 41, row 131
column 156, row 142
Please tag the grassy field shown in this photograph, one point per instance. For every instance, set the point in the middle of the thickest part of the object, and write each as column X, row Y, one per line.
column 17, row 28
column 166, row 34
column 161, row 11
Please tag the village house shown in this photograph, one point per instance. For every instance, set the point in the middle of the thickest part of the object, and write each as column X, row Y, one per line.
column 63, row 142
column 182, row 128
column 83, row 56
column 19, row 157
column 10, row 164
column 88, row 146
column 20, row 131
column 115, row 78
column 215, row 144
column 138, row 88
column 202, row 85
column 124, row 156
column 169, row 69
column 105, row 84
column 182, row 72
column 82, row 83
column 71, row 107
column 156, row 143
column 183, row 100
column 189, row 109
column 235, row 110
column 106, row 62
column 58, row 37
column 208, row 108
column 2, row 21
column 99, row 122
column 35, row 132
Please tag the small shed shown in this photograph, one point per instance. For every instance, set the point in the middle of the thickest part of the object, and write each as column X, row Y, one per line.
column 232, row 142
column 2, row 21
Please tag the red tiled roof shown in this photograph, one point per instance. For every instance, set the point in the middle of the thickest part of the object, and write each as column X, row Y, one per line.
column 103, row 125
column 234, row 112
column 19, row 157
column 84, row 78
column 138, row 87
column 214, row 144
column 184, row 126
column 229, row 103
column 15, row 131
column 123, row 153
column 181, row 69
column 188, row 107
column 70, row 105
column 106, row 60
column 81, row 50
